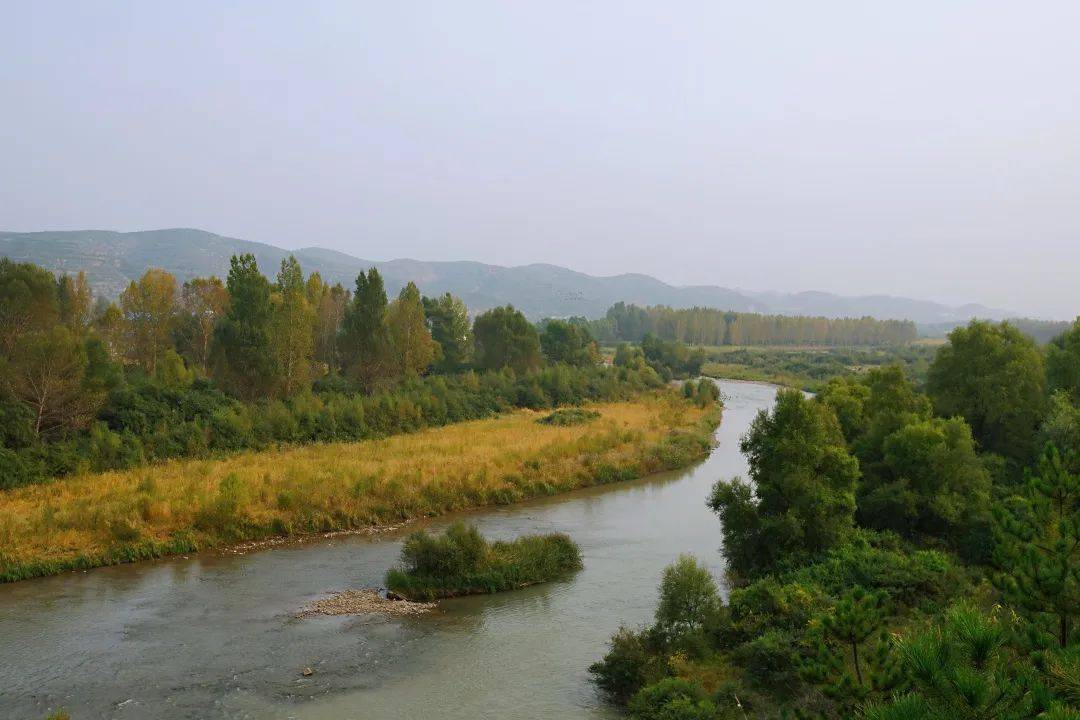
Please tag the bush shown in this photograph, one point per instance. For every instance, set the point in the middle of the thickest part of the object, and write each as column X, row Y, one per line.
column 569, row 416
column 672, row 699
column 462, row 562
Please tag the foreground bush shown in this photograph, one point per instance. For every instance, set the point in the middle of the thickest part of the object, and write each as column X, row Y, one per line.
column 463, row 562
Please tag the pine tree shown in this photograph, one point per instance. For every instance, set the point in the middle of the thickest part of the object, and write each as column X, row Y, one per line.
column 1038, row 549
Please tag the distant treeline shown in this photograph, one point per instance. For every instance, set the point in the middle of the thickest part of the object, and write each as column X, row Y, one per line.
column 708, row 326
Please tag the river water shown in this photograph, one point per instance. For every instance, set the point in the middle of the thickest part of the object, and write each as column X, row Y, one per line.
column 214, row 635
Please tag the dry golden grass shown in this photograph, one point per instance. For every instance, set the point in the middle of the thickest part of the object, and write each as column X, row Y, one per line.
column 183, row 505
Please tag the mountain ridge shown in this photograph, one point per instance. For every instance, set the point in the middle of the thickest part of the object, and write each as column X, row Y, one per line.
column 111, row 259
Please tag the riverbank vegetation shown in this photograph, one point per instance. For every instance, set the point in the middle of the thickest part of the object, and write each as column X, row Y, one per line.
column 462, row 562
column 810, row 368
column 210, row 368
column 182, row 505
column 893, row 555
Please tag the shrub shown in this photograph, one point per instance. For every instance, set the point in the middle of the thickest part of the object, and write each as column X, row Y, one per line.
column 569, row 416
column 672, row 699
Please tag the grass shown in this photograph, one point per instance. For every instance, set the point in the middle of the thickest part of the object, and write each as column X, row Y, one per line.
column 182, row 506
column 462, row 562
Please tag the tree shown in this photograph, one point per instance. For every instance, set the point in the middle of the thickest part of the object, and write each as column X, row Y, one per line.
column 802, row 501
column 412, row 347
column 672, row 699
column 993, row 376
column 505, row 339
column 27, row 301
column 448, row 320
column 148, row 307
column 960, row 669
column 245, row 362
column 46, row 373
column 329, row 303
column 293, row 325
column 364, row 341
column 1062, row 428
column 567, row 343
column 1038, row 547
column 688, row 597
column 1063, row 362
column 933, row 482
column 74, row 302
column 835, row 663
column 203, row 302
column 109, row 323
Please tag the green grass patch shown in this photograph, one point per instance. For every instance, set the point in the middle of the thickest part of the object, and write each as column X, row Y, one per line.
column 569, row 416
column 462, row 562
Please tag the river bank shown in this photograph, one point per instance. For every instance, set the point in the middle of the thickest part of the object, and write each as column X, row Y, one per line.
column 184, row 506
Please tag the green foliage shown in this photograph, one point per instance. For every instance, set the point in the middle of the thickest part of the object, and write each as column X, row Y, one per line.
column 505, row 339
column 962, row 669
column 672, row 358
column 992, row 375
column 28, row 301
column 568, row 343
column 569, row 416
column 672, row 699
column 448, row 320
column 1061, row 428
column 709, row 326
column 1038, row 548
column 462, row 562
column 364, row 342
column 246, row 363
column 629, row 664
column 688, row 598
column 803, row 499
column 1063, row 363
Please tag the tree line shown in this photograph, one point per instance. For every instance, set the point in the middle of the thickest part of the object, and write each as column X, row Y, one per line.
column 709, row 326
column 894, row 554
column 171, row 370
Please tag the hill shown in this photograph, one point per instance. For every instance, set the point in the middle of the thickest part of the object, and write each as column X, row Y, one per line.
column 112, row 259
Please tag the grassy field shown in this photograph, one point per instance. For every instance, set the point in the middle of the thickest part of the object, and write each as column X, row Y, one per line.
column 182, row 506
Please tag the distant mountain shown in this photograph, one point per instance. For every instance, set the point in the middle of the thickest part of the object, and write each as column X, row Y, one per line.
column 112, row 259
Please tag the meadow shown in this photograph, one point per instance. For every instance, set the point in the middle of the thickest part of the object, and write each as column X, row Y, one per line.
column 186, row 505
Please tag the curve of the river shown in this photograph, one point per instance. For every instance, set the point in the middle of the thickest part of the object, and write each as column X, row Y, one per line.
column 214, row 636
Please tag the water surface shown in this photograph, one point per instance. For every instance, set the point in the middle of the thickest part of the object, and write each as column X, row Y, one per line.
column 213, row 636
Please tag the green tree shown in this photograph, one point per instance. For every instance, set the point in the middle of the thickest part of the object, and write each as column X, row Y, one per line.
column 568, row 343
column 448, row 320
column 364, row 342
column 293, row 329
column 992, row 375
column 688, row 597
column 672, row 699
column 835, row 663
column 1062, row 428
column 412, row 348
column 1063, row 362
column 504, row 338
column 148, row 307
column 245, row 361
column 962, row 669
column 802, row 501
column 1039, row 545
column 934, row 482
column 27, row 301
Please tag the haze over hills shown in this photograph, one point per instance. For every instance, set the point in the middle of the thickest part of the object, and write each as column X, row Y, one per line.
column 112, row 259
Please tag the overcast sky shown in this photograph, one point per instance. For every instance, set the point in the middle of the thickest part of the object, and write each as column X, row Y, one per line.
column 928, row 149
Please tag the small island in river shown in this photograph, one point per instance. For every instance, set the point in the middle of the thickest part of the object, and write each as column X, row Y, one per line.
column 462, row 562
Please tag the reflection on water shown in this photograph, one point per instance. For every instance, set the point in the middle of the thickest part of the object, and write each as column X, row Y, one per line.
column 213, row 636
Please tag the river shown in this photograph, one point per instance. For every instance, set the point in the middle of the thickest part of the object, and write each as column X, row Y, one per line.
column 214, row 635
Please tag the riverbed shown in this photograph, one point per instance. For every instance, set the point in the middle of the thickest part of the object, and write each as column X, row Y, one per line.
column 216, row 635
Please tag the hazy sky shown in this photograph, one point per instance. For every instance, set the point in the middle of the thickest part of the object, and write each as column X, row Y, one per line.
column 929, row 149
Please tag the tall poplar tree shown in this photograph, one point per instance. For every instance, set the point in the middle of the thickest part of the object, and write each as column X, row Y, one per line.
column 411, row 345
column 293, row 328
column 245, row 362
column 364, row 342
